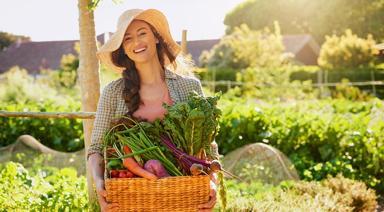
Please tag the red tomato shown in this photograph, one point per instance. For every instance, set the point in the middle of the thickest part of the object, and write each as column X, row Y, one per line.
column 129, row 174
column 122, row 174
column 114, row 173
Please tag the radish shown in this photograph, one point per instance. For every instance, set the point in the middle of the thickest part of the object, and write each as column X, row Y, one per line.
column 134, row 167
column 215, row 166
column 155, row 167
column 196, row 169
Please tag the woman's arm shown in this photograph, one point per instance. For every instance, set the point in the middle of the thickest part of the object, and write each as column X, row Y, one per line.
column 106, row 108
column 96, row 164
column 105, row 111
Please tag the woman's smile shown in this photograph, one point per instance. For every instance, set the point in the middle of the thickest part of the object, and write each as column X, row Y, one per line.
column 139, row 50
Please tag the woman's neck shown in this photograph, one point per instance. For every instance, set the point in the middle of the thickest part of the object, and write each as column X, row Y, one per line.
column 150, row 72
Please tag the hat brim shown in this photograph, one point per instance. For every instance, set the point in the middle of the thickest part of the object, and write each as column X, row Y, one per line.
column 153, row 17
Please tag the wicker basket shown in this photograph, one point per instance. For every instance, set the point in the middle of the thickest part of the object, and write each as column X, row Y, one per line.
column 182, row 193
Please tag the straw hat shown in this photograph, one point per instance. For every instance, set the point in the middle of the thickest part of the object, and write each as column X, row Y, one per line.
column 152, row 16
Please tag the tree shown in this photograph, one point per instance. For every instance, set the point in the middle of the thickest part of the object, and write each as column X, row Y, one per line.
column 6, row 39
column 318, row 18
column 88, row 74
column 246, row 48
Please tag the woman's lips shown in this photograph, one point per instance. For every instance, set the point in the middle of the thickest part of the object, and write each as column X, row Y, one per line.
column 139, row 50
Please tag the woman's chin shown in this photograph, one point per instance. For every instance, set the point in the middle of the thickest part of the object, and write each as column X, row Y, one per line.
column 144, row 58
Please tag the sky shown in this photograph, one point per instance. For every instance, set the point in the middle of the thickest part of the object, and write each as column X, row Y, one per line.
column 45, row 20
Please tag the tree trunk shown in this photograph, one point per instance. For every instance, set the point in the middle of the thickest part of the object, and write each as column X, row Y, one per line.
column 88, row 76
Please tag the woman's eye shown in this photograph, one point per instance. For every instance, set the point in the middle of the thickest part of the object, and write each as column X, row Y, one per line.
column 128, row 39
column 143, row 33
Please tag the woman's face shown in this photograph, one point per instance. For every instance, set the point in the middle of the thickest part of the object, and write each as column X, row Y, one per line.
column 139, row 42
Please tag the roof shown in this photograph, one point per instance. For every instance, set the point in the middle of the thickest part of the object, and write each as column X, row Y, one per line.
column 292, row 43
column 295, row 43
column 196, row 47
column 379, row 46
column 34, row 56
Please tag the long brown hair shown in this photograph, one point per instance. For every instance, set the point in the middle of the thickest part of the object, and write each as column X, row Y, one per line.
column 130, row 75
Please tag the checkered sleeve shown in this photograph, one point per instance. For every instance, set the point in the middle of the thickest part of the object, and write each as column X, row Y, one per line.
column 185, row 85
column 105, row 111
column 198, row 88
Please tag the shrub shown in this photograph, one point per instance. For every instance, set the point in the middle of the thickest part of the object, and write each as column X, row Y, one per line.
column 301, row 196
column 47, row 189
column 320, row 137
column 59, row 134
column 346, row 91
column 19, row 87
column 347, row 52
column 273, row 83
column 313, row 73
column 246, row 48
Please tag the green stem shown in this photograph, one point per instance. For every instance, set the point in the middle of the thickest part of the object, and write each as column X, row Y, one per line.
column 136, row 153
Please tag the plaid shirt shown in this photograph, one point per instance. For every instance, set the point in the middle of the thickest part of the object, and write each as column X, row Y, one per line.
column 111, row 104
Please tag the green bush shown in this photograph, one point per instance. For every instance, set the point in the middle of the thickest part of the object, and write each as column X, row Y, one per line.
column 305, row 73
column 347, row 51
column 346, row 91
column 320, row 137
column 246, row 48
column 332, row 194
column 19, row 87
column 213, row 74
column 59, row 134
column 273, row 83
column 47, row 189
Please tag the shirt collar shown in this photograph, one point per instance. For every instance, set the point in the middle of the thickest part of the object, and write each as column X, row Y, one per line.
column 169, row 74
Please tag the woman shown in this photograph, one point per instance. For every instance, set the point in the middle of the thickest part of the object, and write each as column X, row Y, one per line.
column 142, row 49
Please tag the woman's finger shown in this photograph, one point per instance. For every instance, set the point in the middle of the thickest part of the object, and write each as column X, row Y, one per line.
column 102, row 192
column 205, row 210
column 210, row 204
column 112, row 207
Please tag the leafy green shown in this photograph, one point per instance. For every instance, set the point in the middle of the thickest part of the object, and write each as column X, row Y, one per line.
column 193, row 124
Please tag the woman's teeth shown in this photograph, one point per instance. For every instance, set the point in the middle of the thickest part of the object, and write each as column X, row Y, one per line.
column 139, row 50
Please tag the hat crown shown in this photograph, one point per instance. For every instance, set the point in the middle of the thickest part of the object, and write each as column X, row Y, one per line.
column 128, row 16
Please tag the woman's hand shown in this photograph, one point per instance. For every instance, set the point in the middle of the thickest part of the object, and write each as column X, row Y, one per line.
column 101, row 196
column 207, row 207
column 96, row 164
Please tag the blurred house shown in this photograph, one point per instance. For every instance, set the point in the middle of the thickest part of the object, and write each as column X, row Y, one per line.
column 303, row 47
column 380, row 47
column 35, row 56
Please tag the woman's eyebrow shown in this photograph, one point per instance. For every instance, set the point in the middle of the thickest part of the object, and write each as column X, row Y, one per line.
column 136, row 30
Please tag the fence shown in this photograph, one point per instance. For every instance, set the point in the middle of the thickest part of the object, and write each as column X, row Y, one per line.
column 369, row 80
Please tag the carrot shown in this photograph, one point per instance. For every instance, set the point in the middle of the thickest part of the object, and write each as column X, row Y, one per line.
column 135, row 168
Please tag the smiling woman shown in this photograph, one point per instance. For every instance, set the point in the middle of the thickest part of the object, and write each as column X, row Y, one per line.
column 144, row 52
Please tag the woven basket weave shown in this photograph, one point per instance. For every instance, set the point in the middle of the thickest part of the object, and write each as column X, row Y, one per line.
column 183, row 193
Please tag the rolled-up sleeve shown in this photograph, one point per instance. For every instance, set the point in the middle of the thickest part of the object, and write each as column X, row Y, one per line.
column 105, row 111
